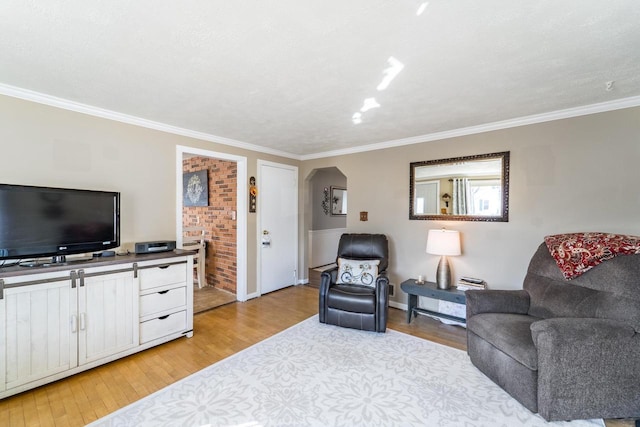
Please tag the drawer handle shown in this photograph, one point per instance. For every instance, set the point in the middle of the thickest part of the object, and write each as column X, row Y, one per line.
column 163, row 292
column 163, row 317
column 162, row 267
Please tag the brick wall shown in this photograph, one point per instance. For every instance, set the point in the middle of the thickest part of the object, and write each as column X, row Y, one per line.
column 216, row 218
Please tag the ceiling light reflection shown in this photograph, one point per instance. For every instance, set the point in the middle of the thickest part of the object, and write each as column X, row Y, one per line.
column 356, row 118
column 390, row 73
column 422, row 8
column 369, row 103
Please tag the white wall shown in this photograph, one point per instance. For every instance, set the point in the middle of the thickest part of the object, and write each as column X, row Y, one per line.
column 49, row 146
column 578, row 174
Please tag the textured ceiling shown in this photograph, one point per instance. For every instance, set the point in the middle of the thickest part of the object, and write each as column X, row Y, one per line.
column 289, row 75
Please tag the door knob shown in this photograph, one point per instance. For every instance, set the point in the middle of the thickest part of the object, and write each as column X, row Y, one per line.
column 266, row 239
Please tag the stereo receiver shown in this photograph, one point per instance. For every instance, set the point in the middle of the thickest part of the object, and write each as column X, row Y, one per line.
column 151, row 247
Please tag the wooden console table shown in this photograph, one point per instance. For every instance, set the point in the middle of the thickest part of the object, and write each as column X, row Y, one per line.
column 430, row 290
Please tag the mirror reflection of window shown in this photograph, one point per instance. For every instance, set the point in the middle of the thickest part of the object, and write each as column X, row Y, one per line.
column 486, row 196
column 338, row 201
column 477, row 196
column 342, row 203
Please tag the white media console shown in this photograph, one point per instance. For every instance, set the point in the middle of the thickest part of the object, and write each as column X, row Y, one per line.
column 61, row 320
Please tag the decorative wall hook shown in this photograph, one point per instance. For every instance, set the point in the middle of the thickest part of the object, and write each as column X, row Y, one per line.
column 253, row 194
column 326, row 206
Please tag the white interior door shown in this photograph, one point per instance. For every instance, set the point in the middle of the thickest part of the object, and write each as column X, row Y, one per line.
column 427, row 200
column 278, row 225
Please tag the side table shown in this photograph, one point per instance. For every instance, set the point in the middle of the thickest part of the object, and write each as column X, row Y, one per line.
column 430, row 290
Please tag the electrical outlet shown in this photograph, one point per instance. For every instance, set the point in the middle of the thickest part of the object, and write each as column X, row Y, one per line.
column 363, row 216
column 392, row 289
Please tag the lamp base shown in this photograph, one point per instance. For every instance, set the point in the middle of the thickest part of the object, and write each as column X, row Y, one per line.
column 443, row 274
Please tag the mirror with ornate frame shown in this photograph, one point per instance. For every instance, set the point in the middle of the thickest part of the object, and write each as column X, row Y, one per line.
column 471, row 188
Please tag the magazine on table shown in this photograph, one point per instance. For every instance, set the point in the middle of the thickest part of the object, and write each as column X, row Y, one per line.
column 470, row 283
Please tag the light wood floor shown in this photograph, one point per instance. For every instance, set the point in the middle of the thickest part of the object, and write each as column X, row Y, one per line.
column 85, row 397
column 208, row 297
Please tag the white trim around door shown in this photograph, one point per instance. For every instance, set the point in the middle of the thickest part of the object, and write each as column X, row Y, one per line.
column 241, row 209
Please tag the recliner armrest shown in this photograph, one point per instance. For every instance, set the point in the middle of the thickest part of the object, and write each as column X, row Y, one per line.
column 497, row 301
column 587, row 368
column 579, row 331
column 382, row 301
column 382, row 279
column 329, row 276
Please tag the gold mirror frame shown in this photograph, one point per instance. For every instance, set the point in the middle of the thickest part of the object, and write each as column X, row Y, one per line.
column 504, row 181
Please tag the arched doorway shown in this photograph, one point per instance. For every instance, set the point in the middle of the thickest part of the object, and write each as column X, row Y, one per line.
column 328, row 207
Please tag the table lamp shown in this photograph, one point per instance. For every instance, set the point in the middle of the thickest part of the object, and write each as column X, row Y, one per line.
column 445, row 243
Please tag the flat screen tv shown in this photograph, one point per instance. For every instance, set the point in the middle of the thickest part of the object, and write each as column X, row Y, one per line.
column 40, row 222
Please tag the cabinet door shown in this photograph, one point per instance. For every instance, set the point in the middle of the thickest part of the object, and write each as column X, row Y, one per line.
column 107, row 315
column 40, row 335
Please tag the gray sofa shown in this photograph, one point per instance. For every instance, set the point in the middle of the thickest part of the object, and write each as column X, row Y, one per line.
column 565, row 349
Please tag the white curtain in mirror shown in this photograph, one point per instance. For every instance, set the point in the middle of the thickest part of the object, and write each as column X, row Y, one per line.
column 460, row 196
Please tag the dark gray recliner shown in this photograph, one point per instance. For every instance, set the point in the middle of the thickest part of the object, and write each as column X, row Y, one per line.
column 565, row 349
column 357, row 306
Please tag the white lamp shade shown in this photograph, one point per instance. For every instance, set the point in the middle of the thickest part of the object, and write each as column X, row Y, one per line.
column 443, row 242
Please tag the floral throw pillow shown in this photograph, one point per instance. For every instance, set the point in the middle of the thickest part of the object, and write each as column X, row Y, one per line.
column 357, row 272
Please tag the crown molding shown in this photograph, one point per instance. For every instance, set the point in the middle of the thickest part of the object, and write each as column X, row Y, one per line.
column 91, row 110
column 65, row 104
column 585, row 110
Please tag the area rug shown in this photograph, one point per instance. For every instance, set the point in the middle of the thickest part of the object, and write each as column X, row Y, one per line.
column 320, row 375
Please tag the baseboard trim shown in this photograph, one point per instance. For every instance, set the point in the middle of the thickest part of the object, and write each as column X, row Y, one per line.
column 398, row 305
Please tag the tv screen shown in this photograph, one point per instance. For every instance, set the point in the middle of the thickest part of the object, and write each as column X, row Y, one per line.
column 41, row 221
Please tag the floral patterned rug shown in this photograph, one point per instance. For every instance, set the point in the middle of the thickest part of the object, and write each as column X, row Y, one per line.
column 320, row 375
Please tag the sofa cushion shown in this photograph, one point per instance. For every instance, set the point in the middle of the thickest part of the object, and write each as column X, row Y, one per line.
column 365, row 246
column 354, row 298
column 550, row 298
column 509, row 333
column 618, row 275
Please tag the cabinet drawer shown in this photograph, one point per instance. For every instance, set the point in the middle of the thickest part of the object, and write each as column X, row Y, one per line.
column 162, row 301
column 162, row 275
column 459, row 299
column 162, row 326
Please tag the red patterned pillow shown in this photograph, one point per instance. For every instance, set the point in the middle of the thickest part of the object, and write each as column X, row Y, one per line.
column 577, row 253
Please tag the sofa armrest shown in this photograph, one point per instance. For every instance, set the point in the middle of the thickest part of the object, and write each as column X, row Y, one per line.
column 580, row 331
column 497, row 301
column 587, row 368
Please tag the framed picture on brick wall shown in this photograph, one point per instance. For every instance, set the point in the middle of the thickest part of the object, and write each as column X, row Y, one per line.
column 195, row 188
